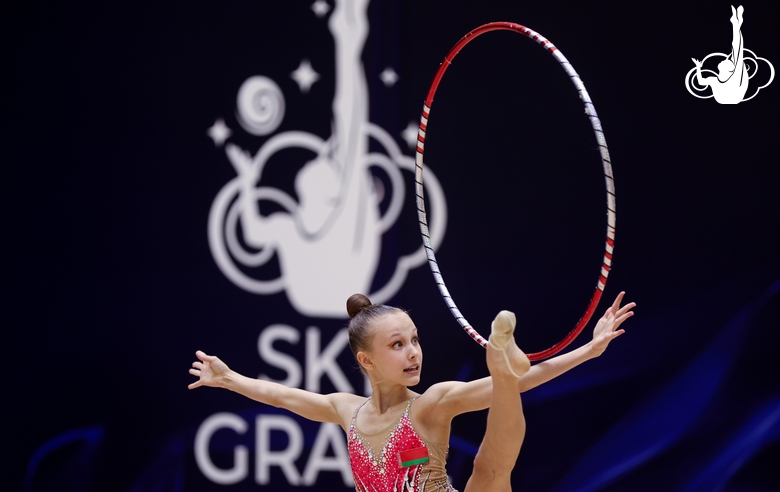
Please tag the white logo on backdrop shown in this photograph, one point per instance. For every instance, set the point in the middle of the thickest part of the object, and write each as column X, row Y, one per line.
column 730, row 84
column 328, row 241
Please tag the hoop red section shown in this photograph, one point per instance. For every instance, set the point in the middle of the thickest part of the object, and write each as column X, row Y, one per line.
column 590, row 110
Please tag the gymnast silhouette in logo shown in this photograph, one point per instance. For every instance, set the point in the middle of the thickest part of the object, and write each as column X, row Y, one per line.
column 730, row 84
column 328, row 241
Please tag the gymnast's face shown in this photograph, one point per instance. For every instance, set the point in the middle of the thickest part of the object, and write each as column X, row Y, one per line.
column 395, row 350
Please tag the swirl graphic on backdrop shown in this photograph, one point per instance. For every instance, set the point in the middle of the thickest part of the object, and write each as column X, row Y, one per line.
column 730, row 83
column 327, row 241
column 260, row 105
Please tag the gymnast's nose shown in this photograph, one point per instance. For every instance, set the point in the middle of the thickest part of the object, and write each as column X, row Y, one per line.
column 414, row 352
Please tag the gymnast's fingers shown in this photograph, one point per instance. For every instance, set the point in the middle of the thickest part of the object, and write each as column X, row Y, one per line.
column 618, row 300
column 624, row 309
column 205, row 358
column 616, row 334
column 619, row 321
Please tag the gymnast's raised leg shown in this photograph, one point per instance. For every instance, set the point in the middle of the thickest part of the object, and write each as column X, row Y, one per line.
column 506, row 423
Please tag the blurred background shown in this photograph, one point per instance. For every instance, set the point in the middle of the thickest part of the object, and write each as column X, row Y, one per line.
column 131, row 240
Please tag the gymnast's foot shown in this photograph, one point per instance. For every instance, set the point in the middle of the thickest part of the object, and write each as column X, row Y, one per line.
column 504, row 358
column 736, row 15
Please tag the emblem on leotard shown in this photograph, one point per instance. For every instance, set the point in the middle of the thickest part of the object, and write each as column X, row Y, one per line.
column 730, row 83
column 326, row 241
column 416, row 456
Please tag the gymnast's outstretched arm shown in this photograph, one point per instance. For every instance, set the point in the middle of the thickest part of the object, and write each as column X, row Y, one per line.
column 701, row 80
column 335, row 407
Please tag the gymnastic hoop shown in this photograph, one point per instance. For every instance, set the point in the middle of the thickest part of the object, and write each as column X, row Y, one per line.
column 590, row 110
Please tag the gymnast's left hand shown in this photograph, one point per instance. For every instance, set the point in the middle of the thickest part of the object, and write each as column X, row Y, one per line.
column 607, row 328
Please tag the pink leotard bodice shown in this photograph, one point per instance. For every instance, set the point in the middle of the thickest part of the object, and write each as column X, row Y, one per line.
column 382, row 472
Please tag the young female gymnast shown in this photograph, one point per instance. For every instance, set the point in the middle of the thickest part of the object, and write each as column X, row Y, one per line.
column 394, row 447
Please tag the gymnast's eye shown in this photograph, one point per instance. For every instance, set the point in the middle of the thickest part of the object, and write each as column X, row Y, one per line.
column 416, row 340
column 398, row 345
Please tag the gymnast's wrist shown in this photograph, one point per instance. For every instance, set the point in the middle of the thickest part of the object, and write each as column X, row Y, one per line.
column 229, row 380
column 593, row 351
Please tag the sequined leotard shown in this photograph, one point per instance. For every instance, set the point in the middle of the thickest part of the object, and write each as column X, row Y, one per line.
column 383, row 472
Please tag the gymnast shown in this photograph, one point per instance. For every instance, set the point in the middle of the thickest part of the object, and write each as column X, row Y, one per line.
column 398, row 439
column 731, row 84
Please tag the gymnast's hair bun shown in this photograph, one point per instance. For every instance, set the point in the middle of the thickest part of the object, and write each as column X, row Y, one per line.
column 356, row 303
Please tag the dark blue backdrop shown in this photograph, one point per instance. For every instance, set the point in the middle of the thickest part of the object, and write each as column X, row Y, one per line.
column 110, row 285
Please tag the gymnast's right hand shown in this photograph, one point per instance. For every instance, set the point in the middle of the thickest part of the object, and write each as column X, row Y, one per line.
column 209, row 369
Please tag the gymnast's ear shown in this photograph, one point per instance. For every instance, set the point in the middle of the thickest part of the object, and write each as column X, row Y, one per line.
column 365, row 361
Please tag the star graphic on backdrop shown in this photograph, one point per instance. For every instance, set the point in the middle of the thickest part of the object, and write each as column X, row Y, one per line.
column 305, row 76
column 320, row 8
column 409, row 134
column 219, row 132
column 389, row 77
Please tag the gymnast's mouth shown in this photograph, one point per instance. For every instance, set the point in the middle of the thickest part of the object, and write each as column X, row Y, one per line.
column 412, row 369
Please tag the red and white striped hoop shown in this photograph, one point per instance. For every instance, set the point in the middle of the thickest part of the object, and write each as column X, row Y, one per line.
column 590, row 110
